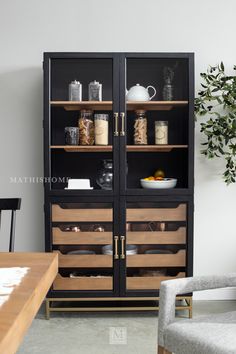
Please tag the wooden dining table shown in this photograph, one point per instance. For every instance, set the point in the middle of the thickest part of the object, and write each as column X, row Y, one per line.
column 25, row 279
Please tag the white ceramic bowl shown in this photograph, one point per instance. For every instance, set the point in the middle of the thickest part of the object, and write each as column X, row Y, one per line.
column 165, row 183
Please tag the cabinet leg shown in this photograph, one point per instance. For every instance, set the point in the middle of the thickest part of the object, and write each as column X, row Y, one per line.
column 162, row 350
column 47, row 309
column 190, row 308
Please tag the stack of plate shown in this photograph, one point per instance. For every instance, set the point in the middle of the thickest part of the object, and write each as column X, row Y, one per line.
column 158, row 252
column 81, row 252
column 77, row 183
column 130, row 250
column 159, row 272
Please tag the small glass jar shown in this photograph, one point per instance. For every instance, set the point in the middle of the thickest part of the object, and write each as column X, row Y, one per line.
column 140, row 128
column 86, row 128
column 71, row 135
column 168, row 91
column 101, row 129
column 161, row 132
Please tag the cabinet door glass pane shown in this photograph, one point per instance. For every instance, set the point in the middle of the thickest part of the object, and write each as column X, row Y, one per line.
column 87, row 106
column 157, row 117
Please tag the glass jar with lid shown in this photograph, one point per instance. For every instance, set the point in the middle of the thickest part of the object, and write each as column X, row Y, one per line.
column 161, row 132
column 86, row 127
column 140, row 128
column 101, row 129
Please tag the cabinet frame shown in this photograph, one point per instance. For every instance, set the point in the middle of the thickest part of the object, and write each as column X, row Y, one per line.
column 120, row 195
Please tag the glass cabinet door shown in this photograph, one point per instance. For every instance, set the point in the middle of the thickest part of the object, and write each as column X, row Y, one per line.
column 156, row 116
column 154, row 245
column 82, row 235
column 82, row 116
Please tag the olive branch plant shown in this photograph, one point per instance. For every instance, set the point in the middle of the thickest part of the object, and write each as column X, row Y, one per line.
column 217, row 100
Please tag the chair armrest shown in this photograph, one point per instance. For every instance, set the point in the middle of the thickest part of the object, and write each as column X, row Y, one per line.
column 170, row 288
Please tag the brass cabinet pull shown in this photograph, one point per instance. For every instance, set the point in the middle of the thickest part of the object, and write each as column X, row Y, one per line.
column 116, row 238
column 122, row 247
column 116, row 115
column 122, row 132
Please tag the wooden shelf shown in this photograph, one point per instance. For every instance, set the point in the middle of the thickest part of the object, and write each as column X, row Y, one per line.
column 82, row 283
column 154, row 148
column 156, row 237
column 155, row 105
column 78, row 105
column 81, row 238
column 84, row 261
column 80, row 148
column 156, row 260
column 108, row 148
column 107, row 105
column 153, row 214
column 149, row 283
column 60, row 214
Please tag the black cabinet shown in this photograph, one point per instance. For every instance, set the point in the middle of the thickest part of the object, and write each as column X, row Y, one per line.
column 124, row 241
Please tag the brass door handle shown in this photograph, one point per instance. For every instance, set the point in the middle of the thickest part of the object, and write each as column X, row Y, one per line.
column 122, row 238
column 116, row 132
column 122, row 116
column 116, row 238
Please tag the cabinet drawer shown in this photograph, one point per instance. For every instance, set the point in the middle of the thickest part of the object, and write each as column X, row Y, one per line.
column 157, row 260
column 85, row 261
column 86, row 215
column 80, row 238
column 82, row 283
column 148, row 283
column 155, row 214
column 157, row 237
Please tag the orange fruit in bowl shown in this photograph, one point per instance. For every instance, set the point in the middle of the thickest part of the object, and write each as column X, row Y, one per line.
column 159, row 178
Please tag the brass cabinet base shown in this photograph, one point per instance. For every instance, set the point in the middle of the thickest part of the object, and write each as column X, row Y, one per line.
column 50, row 308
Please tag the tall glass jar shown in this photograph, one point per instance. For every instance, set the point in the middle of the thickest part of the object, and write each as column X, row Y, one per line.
column 101, row 129
column 140, row 128
column 86, row 127
column 161, row 132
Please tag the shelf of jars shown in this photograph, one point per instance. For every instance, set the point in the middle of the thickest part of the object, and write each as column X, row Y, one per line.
column 107, row 105
column 108, row 148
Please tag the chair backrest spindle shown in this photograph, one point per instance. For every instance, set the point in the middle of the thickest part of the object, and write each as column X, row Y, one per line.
column 12, row 204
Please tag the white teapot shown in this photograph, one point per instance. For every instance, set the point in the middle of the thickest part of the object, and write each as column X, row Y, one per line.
column 139, row 93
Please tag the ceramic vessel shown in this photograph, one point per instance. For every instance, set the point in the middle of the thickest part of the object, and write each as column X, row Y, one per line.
column 139, row 93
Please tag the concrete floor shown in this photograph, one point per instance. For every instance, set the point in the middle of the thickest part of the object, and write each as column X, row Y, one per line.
column 103, row 333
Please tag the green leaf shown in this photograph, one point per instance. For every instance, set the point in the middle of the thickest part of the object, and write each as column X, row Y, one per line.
column 218, row 102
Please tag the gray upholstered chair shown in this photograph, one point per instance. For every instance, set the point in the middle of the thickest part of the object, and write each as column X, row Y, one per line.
column 213, row 334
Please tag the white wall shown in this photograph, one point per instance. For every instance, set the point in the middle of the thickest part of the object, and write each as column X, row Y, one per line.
column 30, row 27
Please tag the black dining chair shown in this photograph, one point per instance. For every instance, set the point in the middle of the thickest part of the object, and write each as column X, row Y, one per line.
column 12, row 204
